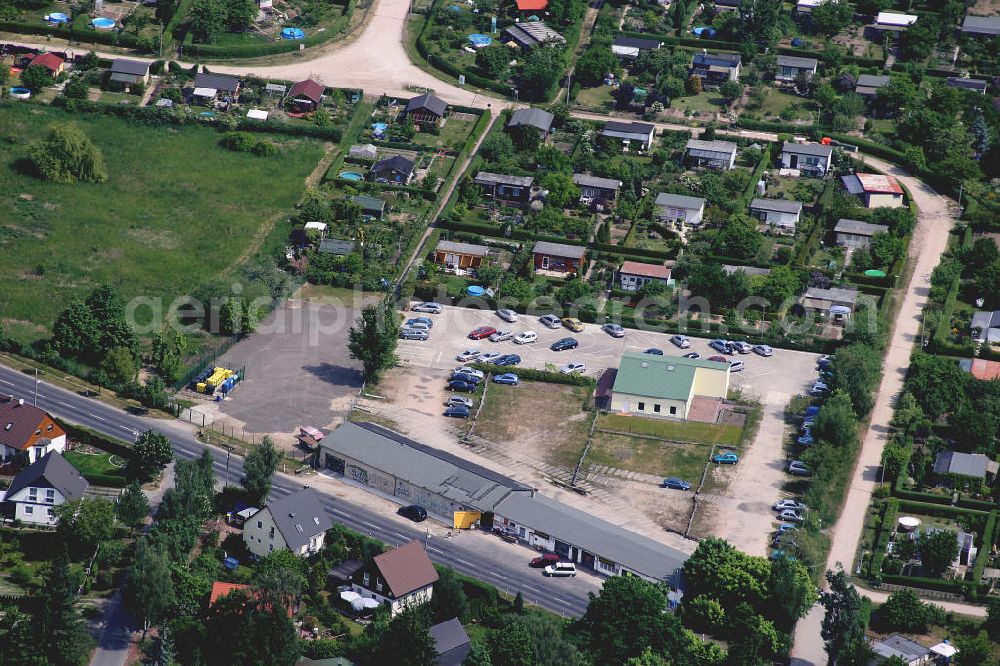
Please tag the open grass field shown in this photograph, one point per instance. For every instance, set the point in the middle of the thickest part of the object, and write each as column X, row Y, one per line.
column 679, row 431
column 177, row 210
column 648, row 456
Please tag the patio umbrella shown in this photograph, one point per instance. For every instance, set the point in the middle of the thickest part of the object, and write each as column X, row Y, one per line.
column 349, row 596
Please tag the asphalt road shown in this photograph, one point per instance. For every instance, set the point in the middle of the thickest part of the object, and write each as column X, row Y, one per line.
column 551, row 594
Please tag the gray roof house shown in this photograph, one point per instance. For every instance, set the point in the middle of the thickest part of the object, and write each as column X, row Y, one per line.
column 129, row 72
column 855, row 233
column 631, row 47
column 540, row 119
column 911, row 652
column 451, row 642
column 369, row 205
column 779, row 213
column 594, row 189
column 511, row 190
column 981, row 25
column 975, row 85
column 988, row 325
column 42, row 486
column 714, row 154
column 975, row 465
column 716, row 67
column 426, row 108
column 790, row 67
column 812, row 159
column 679, row 208
column 393, row 169
column 297, row 522
column 224, row 83
column 641, row 133
column 868, row 84
column 837, row 302
column 528, row 35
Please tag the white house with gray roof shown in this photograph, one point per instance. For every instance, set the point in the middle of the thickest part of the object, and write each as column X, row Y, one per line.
column 679, row 209
column 712, row 154
column 596, row 190
column 38, row 489
column 855, row 233
column 985, row 326
column 630, row 133
column 836, row 302
column 973, row 465
column 811, row 159
column 297, row 522
column 791, row 67
column 129, row 72
column 781, row 214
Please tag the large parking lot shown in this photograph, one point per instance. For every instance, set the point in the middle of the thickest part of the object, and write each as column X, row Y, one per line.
column 740, row 511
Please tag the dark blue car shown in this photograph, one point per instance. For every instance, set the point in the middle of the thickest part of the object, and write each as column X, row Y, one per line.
column 675, row 483
column 507, row 359
column 564, row 343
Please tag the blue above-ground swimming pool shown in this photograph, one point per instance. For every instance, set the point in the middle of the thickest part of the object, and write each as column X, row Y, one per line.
column 474, row 290
column 704, row 31
column 351, row 175
column 479, row 40
column 207, row 114
column 57, row 17
column 103, row 23
column 292, row 33
column 20, row 93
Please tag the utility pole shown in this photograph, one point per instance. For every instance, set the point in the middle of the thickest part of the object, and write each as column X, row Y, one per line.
column 34, row 401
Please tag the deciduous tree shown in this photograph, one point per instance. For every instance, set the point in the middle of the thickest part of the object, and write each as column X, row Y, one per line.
column 86, row 523
column 844, row 623
column 149, row 592
column 831, row 16
column 449, row 598
column 66, row 155
column 151, row 453
column 373, row 339
column 133, row 506
column 59, row 635
column 938, row 549
column 258, row 468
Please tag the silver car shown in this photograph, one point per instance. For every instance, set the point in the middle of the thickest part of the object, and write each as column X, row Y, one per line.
column 681, row 341
column 551, row 321
column 501, row 336
column 614, row 330
column 459, row 401
column 432, row 308
column 507, row 315
column 414, row 334
column 742, row 347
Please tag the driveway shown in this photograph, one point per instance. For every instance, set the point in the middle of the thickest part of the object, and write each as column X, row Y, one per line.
column 298, row 370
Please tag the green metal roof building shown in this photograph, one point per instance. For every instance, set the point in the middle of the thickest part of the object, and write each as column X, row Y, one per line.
column 664, row 386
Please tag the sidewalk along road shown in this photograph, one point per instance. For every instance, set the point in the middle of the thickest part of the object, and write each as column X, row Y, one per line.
column 490, row 565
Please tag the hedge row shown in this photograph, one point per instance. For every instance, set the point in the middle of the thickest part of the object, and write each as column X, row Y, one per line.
column 87, row 436
column 887, row 282
column 937, row 510
column 255, row 50
column 954, row 586
column 985, row 548
column 106, row 480
column 381, row 187
column 443, row 65
column 777, row 128
column 876, row 149
column 110, row 37
column 533, row 375
column 882, row 541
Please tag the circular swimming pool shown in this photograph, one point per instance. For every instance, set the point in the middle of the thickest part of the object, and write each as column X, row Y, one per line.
column 292, row 33
column 103, row 23
column 20, row 93
column 351, row 175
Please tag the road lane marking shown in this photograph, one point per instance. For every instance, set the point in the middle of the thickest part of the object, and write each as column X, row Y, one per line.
column 4, row 381
column 99, row 418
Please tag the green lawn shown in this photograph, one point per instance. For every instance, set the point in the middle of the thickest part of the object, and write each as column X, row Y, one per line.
column 690, row 431
column 648, row 456
column 452, row 135
column 177, row 211
column 598, row 98
column 88, row 464
column 706, row 102
column 777, row 101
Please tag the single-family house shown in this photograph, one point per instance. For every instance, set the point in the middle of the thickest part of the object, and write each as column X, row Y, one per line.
column 679, row 208
column 531, row 5
column 366, row 151
column 400, row 578
column 306, row 96
column 893, row 22
column 540, row 119
column 529, row 34
column 666, row 386
column 875, row 190
column 451, row 643
column 129, row 72
column 297, row 522
column 426, row 109
column 209, row 87
column 712, row 154
column 975, row 85
column 596, row 191
column 910, row 652
column 791, row 68
column 972, row 465
column 779, row 213
column 978, row 26
column 372, row 207
column 459, row 255
column 504, row 189
column 395, row 169
column 38, row 489
column 49, row 61
column 812, row 159
column 629, row 133
column 836, row 302
column 716, row 68
column 629, row 48
column 868, row 84
column 986, row 326
column 558, row 257
column 28, row 429
column 633, row 274
column 855, row 233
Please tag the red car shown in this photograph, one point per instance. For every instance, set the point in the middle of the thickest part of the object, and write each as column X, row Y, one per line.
column 482, row 332
column 719, row 359
column 545, row 560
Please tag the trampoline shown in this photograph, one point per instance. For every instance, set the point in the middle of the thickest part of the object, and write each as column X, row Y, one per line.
column 103, row 23
column 479, row 40
column 292, row 33
column 57, row 17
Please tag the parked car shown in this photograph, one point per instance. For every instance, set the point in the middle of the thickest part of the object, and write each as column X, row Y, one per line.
column 787, row 527
column 416, row 326
column 736, row 366
column 458, row 401
column 481, row 332
column 790, row 515
column 469, row 371
column 614, row 330
column 560, row 569
column 763, row 350
column 812, row 410
column 507, row 359
column 488, row 357
column 550, row 321
column 819, row 388
column 571, row 368
column 806, row 439
column 654, row 351
column 414, row 321
column 527, row 337
column 414, row 512
column 722, row 346
column 431, row 308
column 508, row 378
column 502, row 336
column 780, row 554
column 507, row 315
column 718, row 359
column 458, row 385
column 824, row 362
column 675, row 483
column 458, row 412
column 469, row 355
column 564, row 343
column 794, row 505
column 726, row 458
column 681, row 341
column 544, row 560
column 798, row 468
column 693, row 355
column 465, row 377
column 742, row 347
column 413, row 334
column 573, row 324
column 807, row 423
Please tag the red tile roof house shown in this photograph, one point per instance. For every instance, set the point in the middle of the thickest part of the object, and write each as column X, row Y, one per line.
column 50, row 61
column 532, row 5
column 401, row 578
column 306, row 95
column 633, row 274
column 874, row 189
column 27, row 428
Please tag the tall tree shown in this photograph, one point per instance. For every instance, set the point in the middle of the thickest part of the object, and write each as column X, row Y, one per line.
column 791, row 592
column 836, row 422
column 541, row 71
column 164, row 651
column 133, row 505
column 258, row 468
column 973, row 650
column 60, row 636
column 17, row 638
column 512, row 645
column 761, row 20
column 857, row 369
column 86, row 523
column 374, row 336
column 494, row 60
column 843, row 624
column 831, row 16
column 207, row 20
column 407, row 641
column 904, row 611
column 938, row 549
column 149, row 592
column 66, row 155
column 151, row 453
column 257, row 633
column 449, row 598
column 718, row 570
